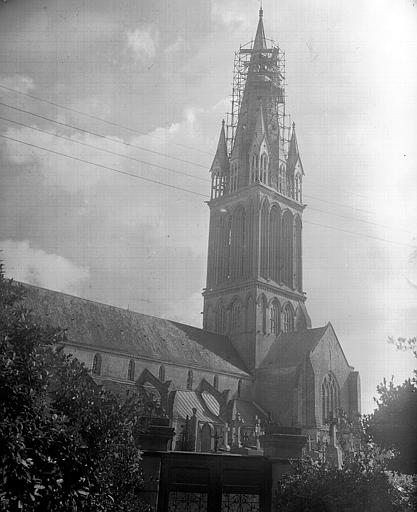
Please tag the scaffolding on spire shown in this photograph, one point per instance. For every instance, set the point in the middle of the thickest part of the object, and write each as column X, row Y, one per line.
column 274, row 59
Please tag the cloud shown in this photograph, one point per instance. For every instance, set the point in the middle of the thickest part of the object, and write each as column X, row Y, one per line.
column 19, row 83
column 177, row 46
column 143, row 43
column 37, row 267
column 231, row 15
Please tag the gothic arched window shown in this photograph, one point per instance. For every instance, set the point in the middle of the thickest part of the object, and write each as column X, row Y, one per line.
column 281, row 179
column 96, row 367
column 330, row 398
column 220, row 319
column 263, row 171
column 190, row 379
column 131, row 370
column 286, row 255
column 253, row 169
column 275, row 314
column 264, row 309
column 298, row 190
column 161, row 373
column 274, row 242
column 287, row 319
column 264, row 234
column 235, row 321
column 216, row 382
column 233, row 177
column 298, row 264
column 239, row 388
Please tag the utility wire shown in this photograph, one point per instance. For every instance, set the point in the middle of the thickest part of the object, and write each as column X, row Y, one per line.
column 361, row 234
column 179, row 172
column 96, row 118
column 103, row 149
column 108, row 168
column 113, row 169
column 181, row 160
column 102, row 136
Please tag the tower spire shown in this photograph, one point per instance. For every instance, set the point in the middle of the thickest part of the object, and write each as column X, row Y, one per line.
column 260, row 41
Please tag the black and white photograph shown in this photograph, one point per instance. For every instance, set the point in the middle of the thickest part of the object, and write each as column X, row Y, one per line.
column 208, row 256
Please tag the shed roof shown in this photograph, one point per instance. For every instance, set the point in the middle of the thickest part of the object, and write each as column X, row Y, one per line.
column 100, row 326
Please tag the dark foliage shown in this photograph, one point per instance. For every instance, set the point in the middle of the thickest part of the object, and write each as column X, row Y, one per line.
column 361, row 485
column 66, row 444
column 393, row 425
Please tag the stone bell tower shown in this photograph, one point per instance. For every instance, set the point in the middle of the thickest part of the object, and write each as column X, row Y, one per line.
column 254, row 287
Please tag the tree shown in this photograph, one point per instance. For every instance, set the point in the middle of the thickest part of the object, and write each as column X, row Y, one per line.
column 393, row 425
column 362, row 484
column 66, row 444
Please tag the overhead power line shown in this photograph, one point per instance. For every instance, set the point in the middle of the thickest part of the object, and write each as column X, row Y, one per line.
column 141, row 133
column 119, row 171
column 97, row 118
column 338, row 204
column 108, row 168
column 85, row 144
column 102, row 136
column 179, row 172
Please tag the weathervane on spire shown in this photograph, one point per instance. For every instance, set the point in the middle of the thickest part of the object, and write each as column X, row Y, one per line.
column 261, row 11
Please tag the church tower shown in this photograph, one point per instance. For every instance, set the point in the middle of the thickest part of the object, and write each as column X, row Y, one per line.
column 254, row 287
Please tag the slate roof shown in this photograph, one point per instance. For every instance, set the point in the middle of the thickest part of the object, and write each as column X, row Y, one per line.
column 100, row 326
column 290, row 349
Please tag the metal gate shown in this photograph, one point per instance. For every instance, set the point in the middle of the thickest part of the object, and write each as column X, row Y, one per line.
column 193, row 482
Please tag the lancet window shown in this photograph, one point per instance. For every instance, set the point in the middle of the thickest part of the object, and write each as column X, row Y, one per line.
column 264, row 240
column 264, row 310
column 254, row 169
column 275, row 314
column 235, row 321
column 287, row 249
column 131, row 370
column 298, row 270
column 161, row 373
column 220, row 319
column 281, row 179
column 287, row 319
column 190, row 379
column 330, row 397
column 298, row 191
column 263, row 171
column 233, row 177
column 218, row 184
column 96, row 367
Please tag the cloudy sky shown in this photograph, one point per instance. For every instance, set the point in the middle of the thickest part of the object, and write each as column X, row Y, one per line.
column 155, row 81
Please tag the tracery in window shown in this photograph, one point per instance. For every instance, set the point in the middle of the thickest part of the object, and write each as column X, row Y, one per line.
column 275, row 317
column 287, row 319
column 330, row 397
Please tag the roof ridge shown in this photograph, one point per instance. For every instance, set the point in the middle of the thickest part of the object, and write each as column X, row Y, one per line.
column 105, row 304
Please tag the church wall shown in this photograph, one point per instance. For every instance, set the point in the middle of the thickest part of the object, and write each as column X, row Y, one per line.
column 328, row 357
column 115, row 366
column 274, row 391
